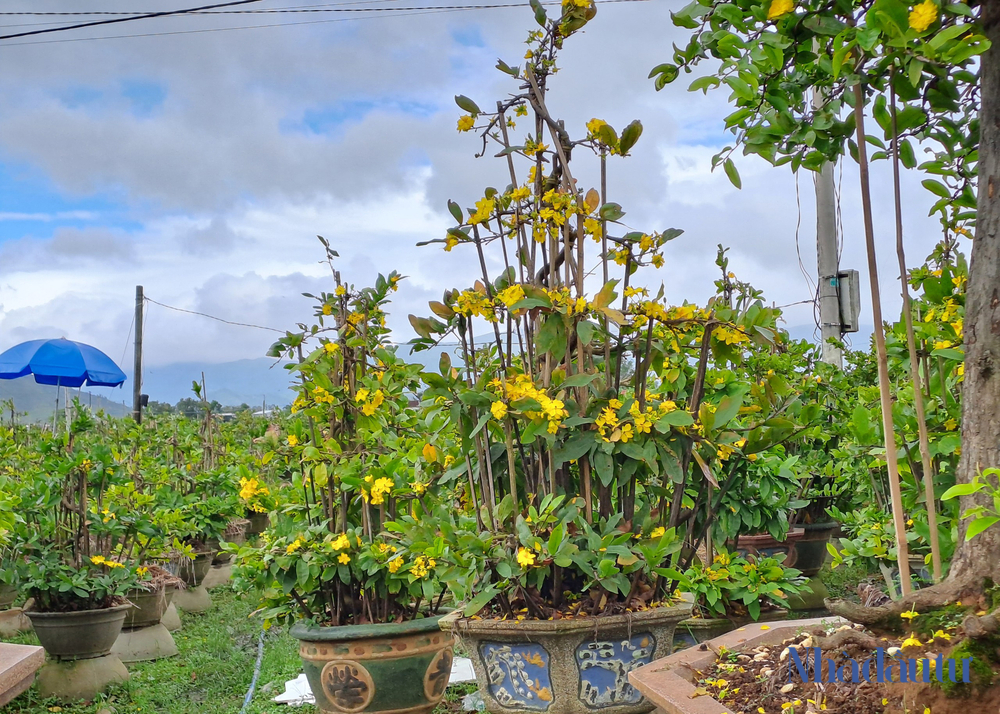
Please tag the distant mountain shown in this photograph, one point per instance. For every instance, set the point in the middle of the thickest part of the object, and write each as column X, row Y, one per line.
column 36, row 402
column 245, row 381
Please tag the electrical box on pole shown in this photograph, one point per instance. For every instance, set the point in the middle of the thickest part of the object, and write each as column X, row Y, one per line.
column 849, row 294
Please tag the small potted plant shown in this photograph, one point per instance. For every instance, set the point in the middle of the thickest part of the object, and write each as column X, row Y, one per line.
column 732, row 590
column 365, row 605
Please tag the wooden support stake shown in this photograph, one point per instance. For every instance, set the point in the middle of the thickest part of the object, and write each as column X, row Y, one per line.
column 885, row 396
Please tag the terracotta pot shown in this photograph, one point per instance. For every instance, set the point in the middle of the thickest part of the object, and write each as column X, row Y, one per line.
column 765, row 546
column 79, row 635
column 810, row 549
column 567, row 666
column 393, row 667
column 192, row 572
column 149, row 607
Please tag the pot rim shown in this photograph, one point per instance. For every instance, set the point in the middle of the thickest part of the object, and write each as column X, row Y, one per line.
column 664, row 613
column 77, row 613
column 309, row 632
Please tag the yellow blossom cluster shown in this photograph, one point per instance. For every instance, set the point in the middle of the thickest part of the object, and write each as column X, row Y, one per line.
column 521, row 386
column 369, row 401
column 525, row 557
column 421, row 567
column 101, row 560
column 473, row 303
column 923, row 15
column 321, row 396
column 250, row 489
column 377, row 489
column 613, row 429
column 729, row 335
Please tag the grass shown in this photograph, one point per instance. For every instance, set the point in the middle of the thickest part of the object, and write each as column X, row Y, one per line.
column 843, row 581
column 211, row 675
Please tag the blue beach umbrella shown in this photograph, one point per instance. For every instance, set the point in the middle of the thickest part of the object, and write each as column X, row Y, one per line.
column 62, row 363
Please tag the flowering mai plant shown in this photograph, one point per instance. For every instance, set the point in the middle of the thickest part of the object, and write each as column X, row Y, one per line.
column 362, row 459
column 599, row 424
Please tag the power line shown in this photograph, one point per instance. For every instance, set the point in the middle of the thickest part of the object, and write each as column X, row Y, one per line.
column 375, row 12
column 213, row 317
column 130, row 18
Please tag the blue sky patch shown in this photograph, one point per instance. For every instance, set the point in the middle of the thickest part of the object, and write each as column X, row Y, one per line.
column 330, row 118
column 145, row 96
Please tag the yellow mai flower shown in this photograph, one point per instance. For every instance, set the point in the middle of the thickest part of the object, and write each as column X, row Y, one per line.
column 340, row 291
column 594, row 125
column 294, row 546
column 941, row 635
column 951, row 425
column 98, row 559
column 395, row 565
column 419, row 487
column 658, row 532
column 113, row 564
column 499, row 410
column 344, row 559
column 342, row 542
column 911, row 641
column 923, row 15
column 779, row 8
column 448, row 461
column 909, row 615
column 381, row 488
column 293, row 440
column 331, row 347
column 465, row 123
column 525, row 557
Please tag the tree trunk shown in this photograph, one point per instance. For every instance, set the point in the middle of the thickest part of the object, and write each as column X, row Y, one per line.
column 980, row 557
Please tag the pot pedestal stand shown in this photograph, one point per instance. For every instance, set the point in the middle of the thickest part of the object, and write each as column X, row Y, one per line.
column 171, row 619
column 144, row 638
column 194, row 599
column 70, row 680
column 218, row 576
column 145, row 644
column 13, row 622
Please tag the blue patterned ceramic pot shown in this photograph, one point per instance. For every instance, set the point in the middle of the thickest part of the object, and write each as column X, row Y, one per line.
column 566, row 666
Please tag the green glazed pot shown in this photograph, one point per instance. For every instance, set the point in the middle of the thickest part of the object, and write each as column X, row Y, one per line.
column 392, row 667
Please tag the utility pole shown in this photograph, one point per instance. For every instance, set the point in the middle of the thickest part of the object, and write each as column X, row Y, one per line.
column 828, row 265
column 137, row 363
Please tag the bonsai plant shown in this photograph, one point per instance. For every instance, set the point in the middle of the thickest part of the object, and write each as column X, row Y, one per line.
column 731, row 590
column 596, row 428
column 334, row 561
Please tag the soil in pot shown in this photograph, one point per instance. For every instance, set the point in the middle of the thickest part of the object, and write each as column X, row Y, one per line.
column 78, row 635
column 764, row 545
column 393, row 667
column 763, row 678
column 568, row 666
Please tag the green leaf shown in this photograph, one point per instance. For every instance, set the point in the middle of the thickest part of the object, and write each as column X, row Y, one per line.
column 962, row 489
column 456, row 210
column 630, row 135
column 467, row 104
column 540, row 16
column 979, row 525
column 611, row 212
column 678, row 417
column 578, row 380
column 585, row 331
column 732, row 173
column 551, row 337
column 936, row 187
column 480, row 601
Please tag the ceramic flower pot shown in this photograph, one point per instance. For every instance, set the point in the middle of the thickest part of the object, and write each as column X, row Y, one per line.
column 810, row 550
column 765, row 546
column 79, row 635
column 258, row 522
column 567, row 666
column 8, row 595
column 148, row 607
column 192, row 572
column 401, row 668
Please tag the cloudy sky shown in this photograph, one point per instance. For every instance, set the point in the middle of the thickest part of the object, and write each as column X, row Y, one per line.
column 201, row 161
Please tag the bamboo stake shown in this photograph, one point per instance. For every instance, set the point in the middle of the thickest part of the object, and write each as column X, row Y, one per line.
column 885, row 397
column 911, row 346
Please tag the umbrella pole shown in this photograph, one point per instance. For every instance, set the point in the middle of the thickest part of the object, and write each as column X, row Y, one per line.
column 56, row 412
